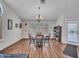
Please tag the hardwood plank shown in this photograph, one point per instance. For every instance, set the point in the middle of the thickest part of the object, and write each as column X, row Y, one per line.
column 54, row 51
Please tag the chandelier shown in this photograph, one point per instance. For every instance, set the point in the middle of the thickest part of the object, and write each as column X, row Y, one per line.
column 39, row 17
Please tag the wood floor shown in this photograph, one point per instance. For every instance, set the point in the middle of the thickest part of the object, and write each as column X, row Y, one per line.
column 54, row 51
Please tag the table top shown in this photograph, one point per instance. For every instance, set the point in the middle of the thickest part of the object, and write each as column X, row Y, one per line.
column 39, row 36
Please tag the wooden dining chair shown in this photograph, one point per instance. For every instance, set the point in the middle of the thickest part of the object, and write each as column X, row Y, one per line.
column 46, row 40
column 32, row 40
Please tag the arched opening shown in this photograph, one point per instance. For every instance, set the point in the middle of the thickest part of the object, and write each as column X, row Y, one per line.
column 1, row 10
column 1, row 13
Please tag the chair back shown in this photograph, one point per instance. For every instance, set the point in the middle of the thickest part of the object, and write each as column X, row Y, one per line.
column 48, row 37
column 30, row 37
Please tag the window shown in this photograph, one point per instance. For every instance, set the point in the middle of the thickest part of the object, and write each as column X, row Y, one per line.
column 39, row 27
column 72, row 31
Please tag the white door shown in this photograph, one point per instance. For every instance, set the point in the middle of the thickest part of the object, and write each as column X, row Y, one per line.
column 72, row 31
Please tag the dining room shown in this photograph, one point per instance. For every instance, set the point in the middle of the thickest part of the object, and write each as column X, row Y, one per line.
column 39, row 28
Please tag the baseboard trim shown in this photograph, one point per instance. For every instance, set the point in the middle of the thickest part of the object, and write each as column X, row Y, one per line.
column 10, row 45
column 24, row 38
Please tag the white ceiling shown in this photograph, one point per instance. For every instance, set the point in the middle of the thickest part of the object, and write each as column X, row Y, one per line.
column 50, row 10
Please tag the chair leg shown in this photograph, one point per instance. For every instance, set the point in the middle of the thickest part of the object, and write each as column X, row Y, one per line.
column 49, row 44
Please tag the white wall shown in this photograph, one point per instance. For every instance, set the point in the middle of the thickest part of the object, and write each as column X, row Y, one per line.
column 61, row 22
column 9, row 36
column 72, row 14
column 26, row 29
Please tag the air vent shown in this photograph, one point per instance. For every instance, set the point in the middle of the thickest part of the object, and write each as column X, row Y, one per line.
column 42, row 1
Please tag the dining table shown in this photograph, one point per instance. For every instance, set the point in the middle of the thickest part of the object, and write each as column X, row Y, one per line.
column 39, row 40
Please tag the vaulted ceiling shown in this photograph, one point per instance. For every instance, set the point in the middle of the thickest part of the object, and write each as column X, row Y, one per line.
column 50, row 10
